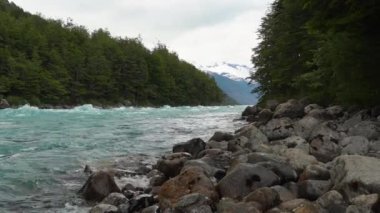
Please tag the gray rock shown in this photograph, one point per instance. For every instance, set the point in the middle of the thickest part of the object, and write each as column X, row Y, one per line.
column 298, row 159
column 319, row 114
column 172, row 164
column 115, row 199
column 140, row 202
column 238, row 144
column 305, row 126
column 365, row 200
column 193, row 146
column 266, row 197
column 227, row 205
column 217, row 145
column 330, row 198
column 124, row 208
column 264, row 116
column 104, row 208
column 284, row 171
column 334, row 111
column 374, row 149
column 272, row 104
column 357, row 209
column 315, row 172
column 311, row 107
column 250, row 110
column 254, row 135
column 293, row 142
column 368, row 129
column 151, row 209
column 324, row 141
column 98, row 186
column 299, row 206
column 211, row 171
column 244, row 178
column 277, row 129
column 312, row 189
column 291, row 109
column 4, row 104
column 354, row 175
column 284, row 193
column 354, row 145
column 221, row 136
column 257, row 157
column 193, row 203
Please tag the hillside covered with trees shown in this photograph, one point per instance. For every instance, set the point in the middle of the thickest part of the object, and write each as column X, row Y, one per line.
column 328, row 51
column 55, row 62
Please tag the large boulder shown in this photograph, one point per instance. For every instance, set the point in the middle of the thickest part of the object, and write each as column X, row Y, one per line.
column 172, row 164
column 98, row 186
column 354, row 145
column 266, row 197
column 277, row 129
column 291, row 109
column 104, row 208
column 315, row 172
column 228, row 205
column 313, row 189
column 282, row 170
column 298, row 159
column 284, row 193
column 141, row 202
column 299, row 206
column 311, row 107
column 253, row 134
column 4, row 104
column 193, row 146
column 191, row 180
column 244, row 178
column 264, row 116
column 354, row 175
column 305, row 126
column 335, row 111
column 293, row 142
column 330, row 199
column 115, row 199
column 194, row 202
column 324, row 142
column 250, row 111
column 221, row 136
column 368, row 129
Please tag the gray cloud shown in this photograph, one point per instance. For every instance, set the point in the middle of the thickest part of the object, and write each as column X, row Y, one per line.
column 170, row 21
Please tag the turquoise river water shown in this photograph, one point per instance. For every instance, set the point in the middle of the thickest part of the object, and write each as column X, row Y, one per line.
column 43, row 152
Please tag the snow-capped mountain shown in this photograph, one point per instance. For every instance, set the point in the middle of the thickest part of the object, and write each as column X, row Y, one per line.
column 230, row 70
column 233, row 80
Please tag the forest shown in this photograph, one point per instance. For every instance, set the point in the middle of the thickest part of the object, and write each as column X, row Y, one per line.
column 325, row 50
column 44, row 61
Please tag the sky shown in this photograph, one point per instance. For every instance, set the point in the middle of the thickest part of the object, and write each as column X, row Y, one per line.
column 203, row 32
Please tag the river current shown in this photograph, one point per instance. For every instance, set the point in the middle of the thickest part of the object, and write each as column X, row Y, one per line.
column 43, row 151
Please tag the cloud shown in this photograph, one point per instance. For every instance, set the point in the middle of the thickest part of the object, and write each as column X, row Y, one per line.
column 193, row 28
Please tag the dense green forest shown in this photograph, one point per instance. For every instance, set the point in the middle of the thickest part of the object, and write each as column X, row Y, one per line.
column 55, row 62
column 326, row 50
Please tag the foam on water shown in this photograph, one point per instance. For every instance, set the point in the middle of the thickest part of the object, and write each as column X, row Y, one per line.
column 43, row 151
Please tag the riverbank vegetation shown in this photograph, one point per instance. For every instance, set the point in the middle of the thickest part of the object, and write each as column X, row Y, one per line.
column 44, row 61
column 328, row 51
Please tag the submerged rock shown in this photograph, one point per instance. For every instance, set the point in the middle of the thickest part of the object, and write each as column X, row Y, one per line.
column 98, row 186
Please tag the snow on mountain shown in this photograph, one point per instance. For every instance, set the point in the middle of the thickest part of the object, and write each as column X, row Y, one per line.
column 230, row 70
column 233, row 80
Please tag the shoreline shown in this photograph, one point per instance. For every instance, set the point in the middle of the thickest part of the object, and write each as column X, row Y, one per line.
column 289, row 156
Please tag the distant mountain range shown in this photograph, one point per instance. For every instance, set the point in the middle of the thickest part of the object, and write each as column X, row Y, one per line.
column 232, row 80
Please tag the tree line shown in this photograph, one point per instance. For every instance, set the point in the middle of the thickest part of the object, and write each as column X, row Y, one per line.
column 44, row 61
column 327, row 51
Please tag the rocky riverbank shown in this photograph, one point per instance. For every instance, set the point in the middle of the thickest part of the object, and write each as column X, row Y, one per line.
column 290, row 157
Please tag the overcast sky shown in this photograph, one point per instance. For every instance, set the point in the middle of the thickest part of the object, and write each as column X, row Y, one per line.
column 200, row 31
